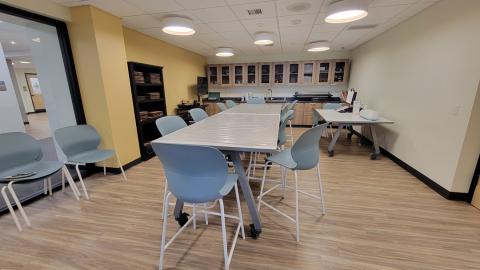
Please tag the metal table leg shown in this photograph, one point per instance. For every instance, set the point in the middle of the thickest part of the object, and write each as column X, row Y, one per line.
column 334, row 140
column 376, row 148
column 256, row 227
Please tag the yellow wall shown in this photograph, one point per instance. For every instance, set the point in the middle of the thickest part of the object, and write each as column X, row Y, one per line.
column 100, row 60
column 180, row 67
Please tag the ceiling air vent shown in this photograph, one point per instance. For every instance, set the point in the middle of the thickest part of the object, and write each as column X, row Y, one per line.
column 255, row 11
column 362, row 27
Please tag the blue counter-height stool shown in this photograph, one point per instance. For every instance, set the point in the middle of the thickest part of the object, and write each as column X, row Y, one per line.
column 221, row 106
column 331, row 106
column 304, row 155
column 80, row 146
column 230, row 103
column 291, row 106
column 198, row 114
column 197, row 175
column 20, row 163
column 256, row 100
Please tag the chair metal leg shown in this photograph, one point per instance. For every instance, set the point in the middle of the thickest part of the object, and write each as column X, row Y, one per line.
column 165, row 192
column 81, row 181
column 10, row 208
column 19, row 205
column 104, row 167
column 121, row 167
column 72, row 184
column 224, row 234
column 320, row 184
column 63, row 180
column 297, row 220
column 164, row 230
column 205, row 207
column 50, row 191
column 240, row 215
column 194, row 216
column 284, row 180
column 45, row 186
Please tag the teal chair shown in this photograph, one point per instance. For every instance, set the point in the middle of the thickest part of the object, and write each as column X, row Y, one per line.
column 80, row 146
column 20, row 154
column 197, row 175
column 221, row 106
column 230, row 103
column 304, row 155
column 291, row 106
column 256, row 100
column 197, row 114
column 169, row 124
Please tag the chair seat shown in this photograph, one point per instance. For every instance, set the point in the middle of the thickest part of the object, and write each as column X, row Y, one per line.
column 231, row 180
column 283, row 158
column 43, row 169
column 91, row 156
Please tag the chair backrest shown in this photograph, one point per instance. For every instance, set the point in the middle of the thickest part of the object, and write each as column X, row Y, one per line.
column 197, row 114
column 282, row 134
column 169, row 124
column 256, row 100
column 292, row 104
column 306, row 150
column 331, row 106
column 316, row 118
column 18, row 148
column 230, row 103
column 77, row 139
column 195, row 174
column 221, row 106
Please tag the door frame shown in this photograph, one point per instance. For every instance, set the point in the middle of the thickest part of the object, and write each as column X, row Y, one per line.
column 29, row 85
column 474, row 183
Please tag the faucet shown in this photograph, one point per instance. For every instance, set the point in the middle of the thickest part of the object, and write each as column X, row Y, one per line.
column 271, row 93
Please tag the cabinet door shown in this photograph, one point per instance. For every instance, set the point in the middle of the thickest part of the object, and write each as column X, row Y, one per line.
column 298, row 115
column 238, row 75
column 293, row 73
column 251, row 74
column 308, row 73
column 340, row 71
column 279, row 72
column 308, row 112
column 213, row 75
column 225, row 75
column 265, row 74
column 323, row 72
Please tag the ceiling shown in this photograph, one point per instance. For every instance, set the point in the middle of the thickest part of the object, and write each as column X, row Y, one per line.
column 227, row 22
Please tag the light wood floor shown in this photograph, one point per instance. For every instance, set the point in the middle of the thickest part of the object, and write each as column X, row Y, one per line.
column 38, row 126
column 378, row 217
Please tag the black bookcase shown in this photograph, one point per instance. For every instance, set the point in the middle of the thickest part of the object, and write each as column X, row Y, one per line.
column 148, row 94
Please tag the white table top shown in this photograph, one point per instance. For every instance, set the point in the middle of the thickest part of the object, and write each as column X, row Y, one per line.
column 332, row 116
column 249, row 132
column 268, row 108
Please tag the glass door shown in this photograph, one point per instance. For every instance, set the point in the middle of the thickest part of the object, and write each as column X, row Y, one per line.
column 307, row 72
column 323, row 71
column 251, row 74
column 238, row 75
column 279, row 73
column 265, row 74
column 293, row 72
column 340, row 72
column 225, row 70
column 213, row 75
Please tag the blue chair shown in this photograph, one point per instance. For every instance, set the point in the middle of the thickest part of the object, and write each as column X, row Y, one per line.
column 20, row 153
column 197, row 175
column 230, row 103
column 197, row 114
column 291, row 106
column 282, row 134
column 221, row 106
column 256, row 100
column 169, row 124
column 304, row 155
column 80, row 146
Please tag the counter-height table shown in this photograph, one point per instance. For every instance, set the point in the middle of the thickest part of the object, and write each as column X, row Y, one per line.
column 243, row 128
column 348, row 119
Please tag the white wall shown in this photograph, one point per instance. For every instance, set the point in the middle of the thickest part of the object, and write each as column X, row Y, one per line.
column 10, row 115
column 424, row 74
column 23, row 87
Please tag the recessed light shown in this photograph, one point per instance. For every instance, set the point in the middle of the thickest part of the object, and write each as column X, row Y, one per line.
column 318, row 46
column 36, row 39
column 224, row 52
column 13, row 42
column 24, row 62
column 298, row 7
column 178, row 26
column 263, row 38
column 344, row 11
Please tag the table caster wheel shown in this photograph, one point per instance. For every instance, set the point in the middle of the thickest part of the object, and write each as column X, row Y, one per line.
column 330, row 153
column 254, row 233
column 373, row 156
column 182, row 219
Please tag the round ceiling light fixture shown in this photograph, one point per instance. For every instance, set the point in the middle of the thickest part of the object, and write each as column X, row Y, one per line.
column 344, row 11
column 318, row 46
column 263, row 38
column 178, row 26
column 224, row 52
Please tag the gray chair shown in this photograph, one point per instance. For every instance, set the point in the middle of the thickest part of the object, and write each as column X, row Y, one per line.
column 256, row 100
column 169, row 124
column 20, row 153
column 230, row 103
column 197, row 175
column 304, row 155
column 221, row 106
column 197, row 114
column 80, row 146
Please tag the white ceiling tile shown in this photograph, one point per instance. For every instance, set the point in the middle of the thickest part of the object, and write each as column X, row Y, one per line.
column 294, row 34
column 287, row 7
column 203, row 28
column 316, row 36
column 415, row 8
column 197, row 4
column 238, row 36
column 276, row 48
column 268, row 10
column 240, row 2
column 382, row 3
column 261, row 25
column 385, row 12
column 305, row 20
column 209, row 36
column 328, row 27
column 141, row 21
column 349, row 37
column 216, row 14
column 118, row 8
column 155, row 6
column 226, row 26
column 182, row 13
